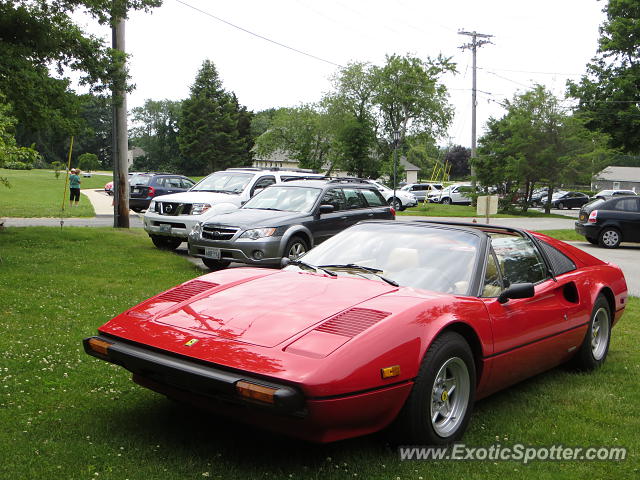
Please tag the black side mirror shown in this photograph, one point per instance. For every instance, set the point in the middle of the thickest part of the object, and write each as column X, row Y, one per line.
column 517, row 290
column 326, row 209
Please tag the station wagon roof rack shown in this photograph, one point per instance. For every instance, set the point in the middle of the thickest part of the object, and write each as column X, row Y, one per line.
column 347, row 180
column 272, row 169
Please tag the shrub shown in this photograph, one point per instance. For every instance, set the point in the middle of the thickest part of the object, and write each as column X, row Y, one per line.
column 15, row 165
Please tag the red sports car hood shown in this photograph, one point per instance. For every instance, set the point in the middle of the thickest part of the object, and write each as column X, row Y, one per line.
column 262, row 311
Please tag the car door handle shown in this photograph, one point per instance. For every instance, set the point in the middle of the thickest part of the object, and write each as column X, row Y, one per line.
column 343, row 218
column 370, row 215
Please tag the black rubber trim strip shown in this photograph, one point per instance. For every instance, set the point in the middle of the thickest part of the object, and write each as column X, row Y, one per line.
column 188, row 375
column 535, row 341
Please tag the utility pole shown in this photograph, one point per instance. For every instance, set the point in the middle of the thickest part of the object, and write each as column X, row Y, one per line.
column 120, row 146
column 473, row 46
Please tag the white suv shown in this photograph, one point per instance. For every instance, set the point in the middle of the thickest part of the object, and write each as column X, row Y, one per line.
column 453, row 194
column 403, row 198
column 170, row 218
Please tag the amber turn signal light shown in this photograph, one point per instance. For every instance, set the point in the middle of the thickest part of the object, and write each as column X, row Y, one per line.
column 256, row 392
column 388, row 372
column 99, row 346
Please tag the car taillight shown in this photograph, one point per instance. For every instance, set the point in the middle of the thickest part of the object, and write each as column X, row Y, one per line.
column 152, row 192
column 393, row 211
column 593, row 217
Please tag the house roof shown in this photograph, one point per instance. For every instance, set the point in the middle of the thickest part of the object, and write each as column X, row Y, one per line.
column 624, row 174
column 408, row 166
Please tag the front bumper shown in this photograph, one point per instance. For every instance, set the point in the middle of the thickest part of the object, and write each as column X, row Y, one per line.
column 177, row 226
column 240, row 250
column 213, row 388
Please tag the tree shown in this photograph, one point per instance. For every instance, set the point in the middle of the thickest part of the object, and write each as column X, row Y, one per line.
column 209, row 135
column 536, row 142
column 458, row 158
column 303, row 132
column 40, row 34
column 608, row 92
column 10, row 152
column 88, row 162
column 408, row 97
column 156, row 132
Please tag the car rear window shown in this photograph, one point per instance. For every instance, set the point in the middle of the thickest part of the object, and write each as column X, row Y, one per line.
column 138, row 179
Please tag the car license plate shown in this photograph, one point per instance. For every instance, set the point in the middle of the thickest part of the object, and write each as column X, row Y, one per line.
column 213, row 253
column 165, row 228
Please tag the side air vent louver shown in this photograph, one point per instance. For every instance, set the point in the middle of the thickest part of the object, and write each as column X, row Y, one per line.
column 352, row 322
column 186, row 291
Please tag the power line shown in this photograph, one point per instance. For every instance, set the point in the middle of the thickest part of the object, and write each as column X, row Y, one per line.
column 527, row 71
column 262, row 37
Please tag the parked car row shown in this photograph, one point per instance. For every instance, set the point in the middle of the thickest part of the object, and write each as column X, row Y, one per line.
column 258, row 216
column 568, row 199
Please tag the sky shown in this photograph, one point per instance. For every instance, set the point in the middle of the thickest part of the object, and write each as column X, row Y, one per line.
column 545, row 42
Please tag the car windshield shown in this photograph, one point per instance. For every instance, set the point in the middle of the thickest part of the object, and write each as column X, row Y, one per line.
column 431, row 258
column 226, row 182
column 289, row 199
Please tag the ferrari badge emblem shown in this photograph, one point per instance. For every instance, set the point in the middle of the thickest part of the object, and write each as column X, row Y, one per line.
column 191, row 342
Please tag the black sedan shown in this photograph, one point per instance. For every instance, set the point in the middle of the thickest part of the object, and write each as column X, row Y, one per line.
column 569, row 200
column 609, row 222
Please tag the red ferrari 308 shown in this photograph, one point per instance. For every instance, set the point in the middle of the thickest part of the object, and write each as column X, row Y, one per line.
column 404, row 323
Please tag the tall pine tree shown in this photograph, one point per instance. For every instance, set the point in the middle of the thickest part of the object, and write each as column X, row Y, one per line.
column 209, row 137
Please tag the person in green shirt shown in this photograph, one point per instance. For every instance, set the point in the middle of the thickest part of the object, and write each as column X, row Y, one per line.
column 74, row 187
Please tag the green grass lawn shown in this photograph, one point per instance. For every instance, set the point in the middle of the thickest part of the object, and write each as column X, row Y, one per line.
column 437, row 210
column 66, row 415
column 38, row 193
column 564, row 235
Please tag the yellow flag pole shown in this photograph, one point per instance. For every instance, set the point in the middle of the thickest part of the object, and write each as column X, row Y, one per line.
column 66, row 182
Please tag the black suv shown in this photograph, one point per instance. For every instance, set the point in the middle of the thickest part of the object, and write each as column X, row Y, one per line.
column 143, row 187
column 286, row 220
column 609, row 222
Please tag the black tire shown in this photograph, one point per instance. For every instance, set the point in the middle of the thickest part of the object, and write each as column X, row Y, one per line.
column 609, row 237
column 592, row 241
column 215, row 264
column 296, row 246
column 415, row 423
column 136, row 209
column 446, row 201
column 396, row 204
column 595, row 346
column 165, row 243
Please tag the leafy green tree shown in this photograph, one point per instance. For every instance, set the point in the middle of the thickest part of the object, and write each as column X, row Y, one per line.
column 209, row 135
column 608, row 93
column 535, row 143
column 303, row 132
column 88, row 162
column 156, row 132
column 409, row 97
column 40, row 34
column 10, row 152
